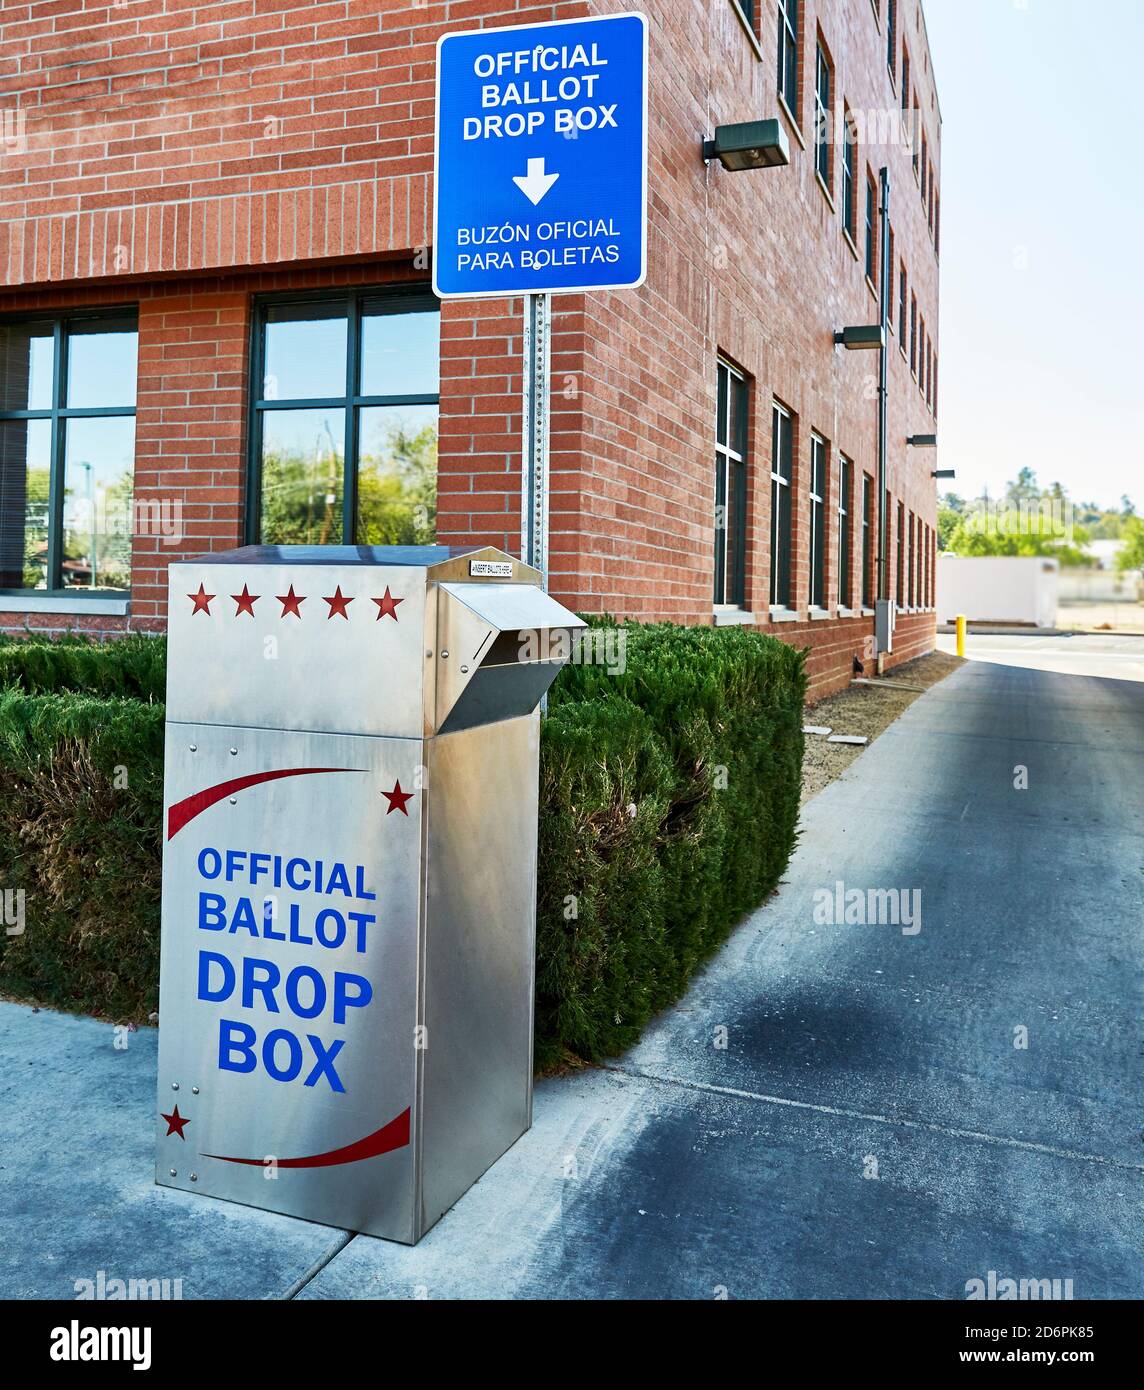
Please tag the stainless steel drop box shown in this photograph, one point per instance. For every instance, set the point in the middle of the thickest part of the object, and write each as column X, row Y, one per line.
column 349, row 876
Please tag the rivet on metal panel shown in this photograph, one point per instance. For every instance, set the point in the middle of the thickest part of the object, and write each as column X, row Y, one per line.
column 194, row 1177
column 174, row 1172
column 194, row 1090
column 234, row 800
column 464, row 670
column 234, row 752
column 444, row 656
column 194, row 747
column 174, row 1085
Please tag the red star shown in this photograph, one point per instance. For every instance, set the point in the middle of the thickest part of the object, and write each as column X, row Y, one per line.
column 387, row 606
column 397, row 798
column 246, row 601
column 202, row 601
column 175, row 1123
column 290, row 602
column 338, row 603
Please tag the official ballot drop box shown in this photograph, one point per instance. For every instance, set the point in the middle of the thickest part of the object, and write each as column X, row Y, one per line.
column 349, row 876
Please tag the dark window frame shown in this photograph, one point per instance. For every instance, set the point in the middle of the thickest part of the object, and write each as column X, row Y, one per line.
column 901, row 575
column 788, row 55
column 59, row 413
column 871, row 247
column 782, row 484
column 892, row 39
column 849, row 175
column 845, row 531
column 867, row 538
column 411, row 298
column 824, row 116
column 819, row 473
column 730, row 589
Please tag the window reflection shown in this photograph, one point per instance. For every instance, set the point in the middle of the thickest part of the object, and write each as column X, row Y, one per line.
column 397, row 475
column 302, row 471
column 400, row 354
column 98, row 485
column 25, row 456
column 304, row 352
column 102, row 364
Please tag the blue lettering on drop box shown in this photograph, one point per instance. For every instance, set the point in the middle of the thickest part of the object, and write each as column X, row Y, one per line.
column 540, row 175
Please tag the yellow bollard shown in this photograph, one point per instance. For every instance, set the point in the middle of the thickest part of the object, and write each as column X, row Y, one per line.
column 961, row 634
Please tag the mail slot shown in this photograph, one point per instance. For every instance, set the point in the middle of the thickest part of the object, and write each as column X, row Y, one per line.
column 349, row 876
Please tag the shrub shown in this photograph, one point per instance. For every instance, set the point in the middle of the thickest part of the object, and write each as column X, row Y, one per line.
column 668, row 805
column 134, row 665
column 702, row 735
column 80, row 820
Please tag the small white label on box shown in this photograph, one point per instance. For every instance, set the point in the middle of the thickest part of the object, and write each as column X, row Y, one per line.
column 491, row 569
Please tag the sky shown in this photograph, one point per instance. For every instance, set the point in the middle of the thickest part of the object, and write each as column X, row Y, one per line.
column 1042, row 244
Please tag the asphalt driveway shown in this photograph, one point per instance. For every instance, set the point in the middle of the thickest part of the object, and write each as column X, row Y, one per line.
column 879, row 1108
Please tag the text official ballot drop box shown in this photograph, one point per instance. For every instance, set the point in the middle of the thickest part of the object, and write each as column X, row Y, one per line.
column 349, row 876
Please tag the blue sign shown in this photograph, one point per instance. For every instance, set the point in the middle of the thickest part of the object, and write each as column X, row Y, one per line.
column 541, row 161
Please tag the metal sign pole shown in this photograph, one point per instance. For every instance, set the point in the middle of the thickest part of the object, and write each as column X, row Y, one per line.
column 534, row 456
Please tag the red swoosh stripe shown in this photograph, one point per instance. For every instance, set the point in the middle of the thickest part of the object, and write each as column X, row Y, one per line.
column 186, row 810
column 394, row 1135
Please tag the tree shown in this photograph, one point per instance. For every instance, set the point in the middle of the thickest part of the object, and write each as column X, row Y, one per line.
column 1131, row 557
column 1028, row 521
column 950, row 512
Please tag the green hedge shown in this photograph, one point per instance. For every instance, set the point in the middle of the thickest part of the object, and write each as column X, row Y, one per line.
column 669, row 801
column 80, row 832
column 135, row 666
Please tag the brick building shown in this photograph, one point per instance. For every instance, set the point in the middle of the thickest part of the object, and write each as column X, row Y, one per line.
column 216, row 324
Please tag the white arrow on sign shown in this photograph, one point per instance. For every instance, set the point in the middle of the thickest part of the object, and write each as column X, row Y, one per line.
column 536, row 183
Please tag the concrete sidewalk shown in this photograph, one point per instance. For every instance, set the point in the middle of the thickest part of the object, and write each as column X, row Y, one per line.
column 867, row 1130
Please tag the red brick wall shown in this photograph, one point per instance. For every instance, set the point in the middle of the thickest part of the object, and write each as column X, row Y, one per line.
column 185, row 154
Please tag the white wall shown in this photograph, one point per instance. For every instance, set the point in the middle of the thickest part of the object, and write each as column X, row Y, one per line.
column 1100, row 586
column 998, row 589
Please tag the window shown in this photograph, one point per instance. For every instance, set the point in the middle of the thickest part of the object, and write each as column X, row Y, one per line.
column 902, row 291
column 935, row 386
column 817, row 521
column 748, row 9
column 911, row 591
column 871, row 229
column 845, row 553
column 730, row 485
column 867, row 541
column 921, row 354
column 788, row 53
column 901, row 585
column 914, row 334
column 925, row 167
column 892, row 38
column 67, row 453
column 782, row 462
column 929, row 372
column 937, row 227
column 917, row 125
column 890, row 295
column 931, row 198
column 822, row 118
column 849, row 155
column 905, row 81
column 344, row 424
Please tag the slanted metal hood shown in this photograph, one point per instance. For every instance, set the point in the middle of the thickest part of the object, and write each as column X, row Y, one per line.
column 499, row 648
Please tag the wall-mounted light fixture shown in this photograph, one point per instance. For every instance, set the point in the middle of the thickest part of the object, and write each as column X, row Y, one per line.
column 944, row 473
column 749, row 145
column 922, row 441
column 863, row 337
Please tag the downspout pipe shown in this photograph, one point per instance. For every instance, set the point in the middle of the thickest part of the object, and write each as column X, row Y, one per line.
column 883, row 577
